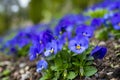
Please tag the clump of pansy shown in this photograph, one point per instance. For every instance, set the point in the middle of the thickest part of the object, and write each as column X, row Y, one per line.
column 105, row 17
column 18, row 42
column 66, row 52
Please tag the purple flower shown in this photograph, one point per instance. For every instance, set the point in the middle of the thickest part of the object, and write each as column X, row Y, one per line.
column 85, row 30
column 42, row 64
column 62, row 27
column 51, row 48
column 12, row 51
column 22, row 42
column 106, row 18
column 46, row 36
column 115, row 20
column 96, row 23
column 36, row 49
column 60, row 44
column 99, row 52
column 114, row 5
column 78, row 44
column 66, row 24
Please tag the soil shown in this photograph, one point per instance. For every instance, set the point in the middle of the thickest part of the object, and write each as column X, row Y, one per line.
column 12, row 68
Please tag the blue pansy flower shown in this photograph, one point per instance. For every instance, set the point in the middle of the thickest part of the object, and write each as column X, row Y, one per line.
column 85, row 30
column 96, row 23
column 21, row 39
column 60, row 44
column 42, row 64
column 114, row 5
column 106, row 18
column 42, row 37
column 115, row 20
column 22, row 42
column 66, row 24
column 36, row 49
column 99, row 52
column 62, row 27
column 78, row 44
column 12, row 51
column 32, row 53
column 46, row 36
column 51, row 48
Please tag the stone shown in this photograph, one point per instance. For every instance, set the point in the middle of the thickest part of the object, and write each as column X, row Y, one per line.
column 22, row 71
column 21, row 65
column 27, row 68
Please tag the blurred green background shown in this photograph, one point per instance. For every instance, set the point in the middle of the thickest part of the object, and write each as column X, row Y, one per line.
column 20, row 13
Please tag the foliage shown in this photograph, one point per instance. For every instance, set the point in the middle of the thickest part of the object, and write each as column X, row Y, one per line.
column 67, row 65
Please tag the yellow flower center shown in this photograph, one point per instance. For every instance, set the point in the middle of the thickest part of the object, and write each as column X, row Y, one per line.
column 52, row 50
column 78, row 47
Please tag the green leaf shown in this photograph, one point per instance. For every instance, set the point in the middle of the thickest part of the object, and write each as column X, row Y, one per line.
column 54, row 68
column 56, row 77
column 50, row 57
column 90, row 58
column 76, row 63
column 82, row 56
column 89, row 70
column 71, row 75
column 42, row 78
column 24, row 51
column 58, row 63
column 6, row 72
column 5, row 78
column 88, row 51
column 47, row 74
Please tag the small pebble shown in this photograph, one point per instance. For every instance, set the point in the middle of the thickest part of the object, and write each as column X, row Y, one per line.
column 27, row 68
column 21, row 65
column 107, row 58
column 102, row 74
column 102, row 43
column 116, row 66
column 109, row 73
column 106, row 64
column 113, row 79
column 96, row 75
column 22, row 71
column 25, row 76
column 16, row 74
column 115, row 45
